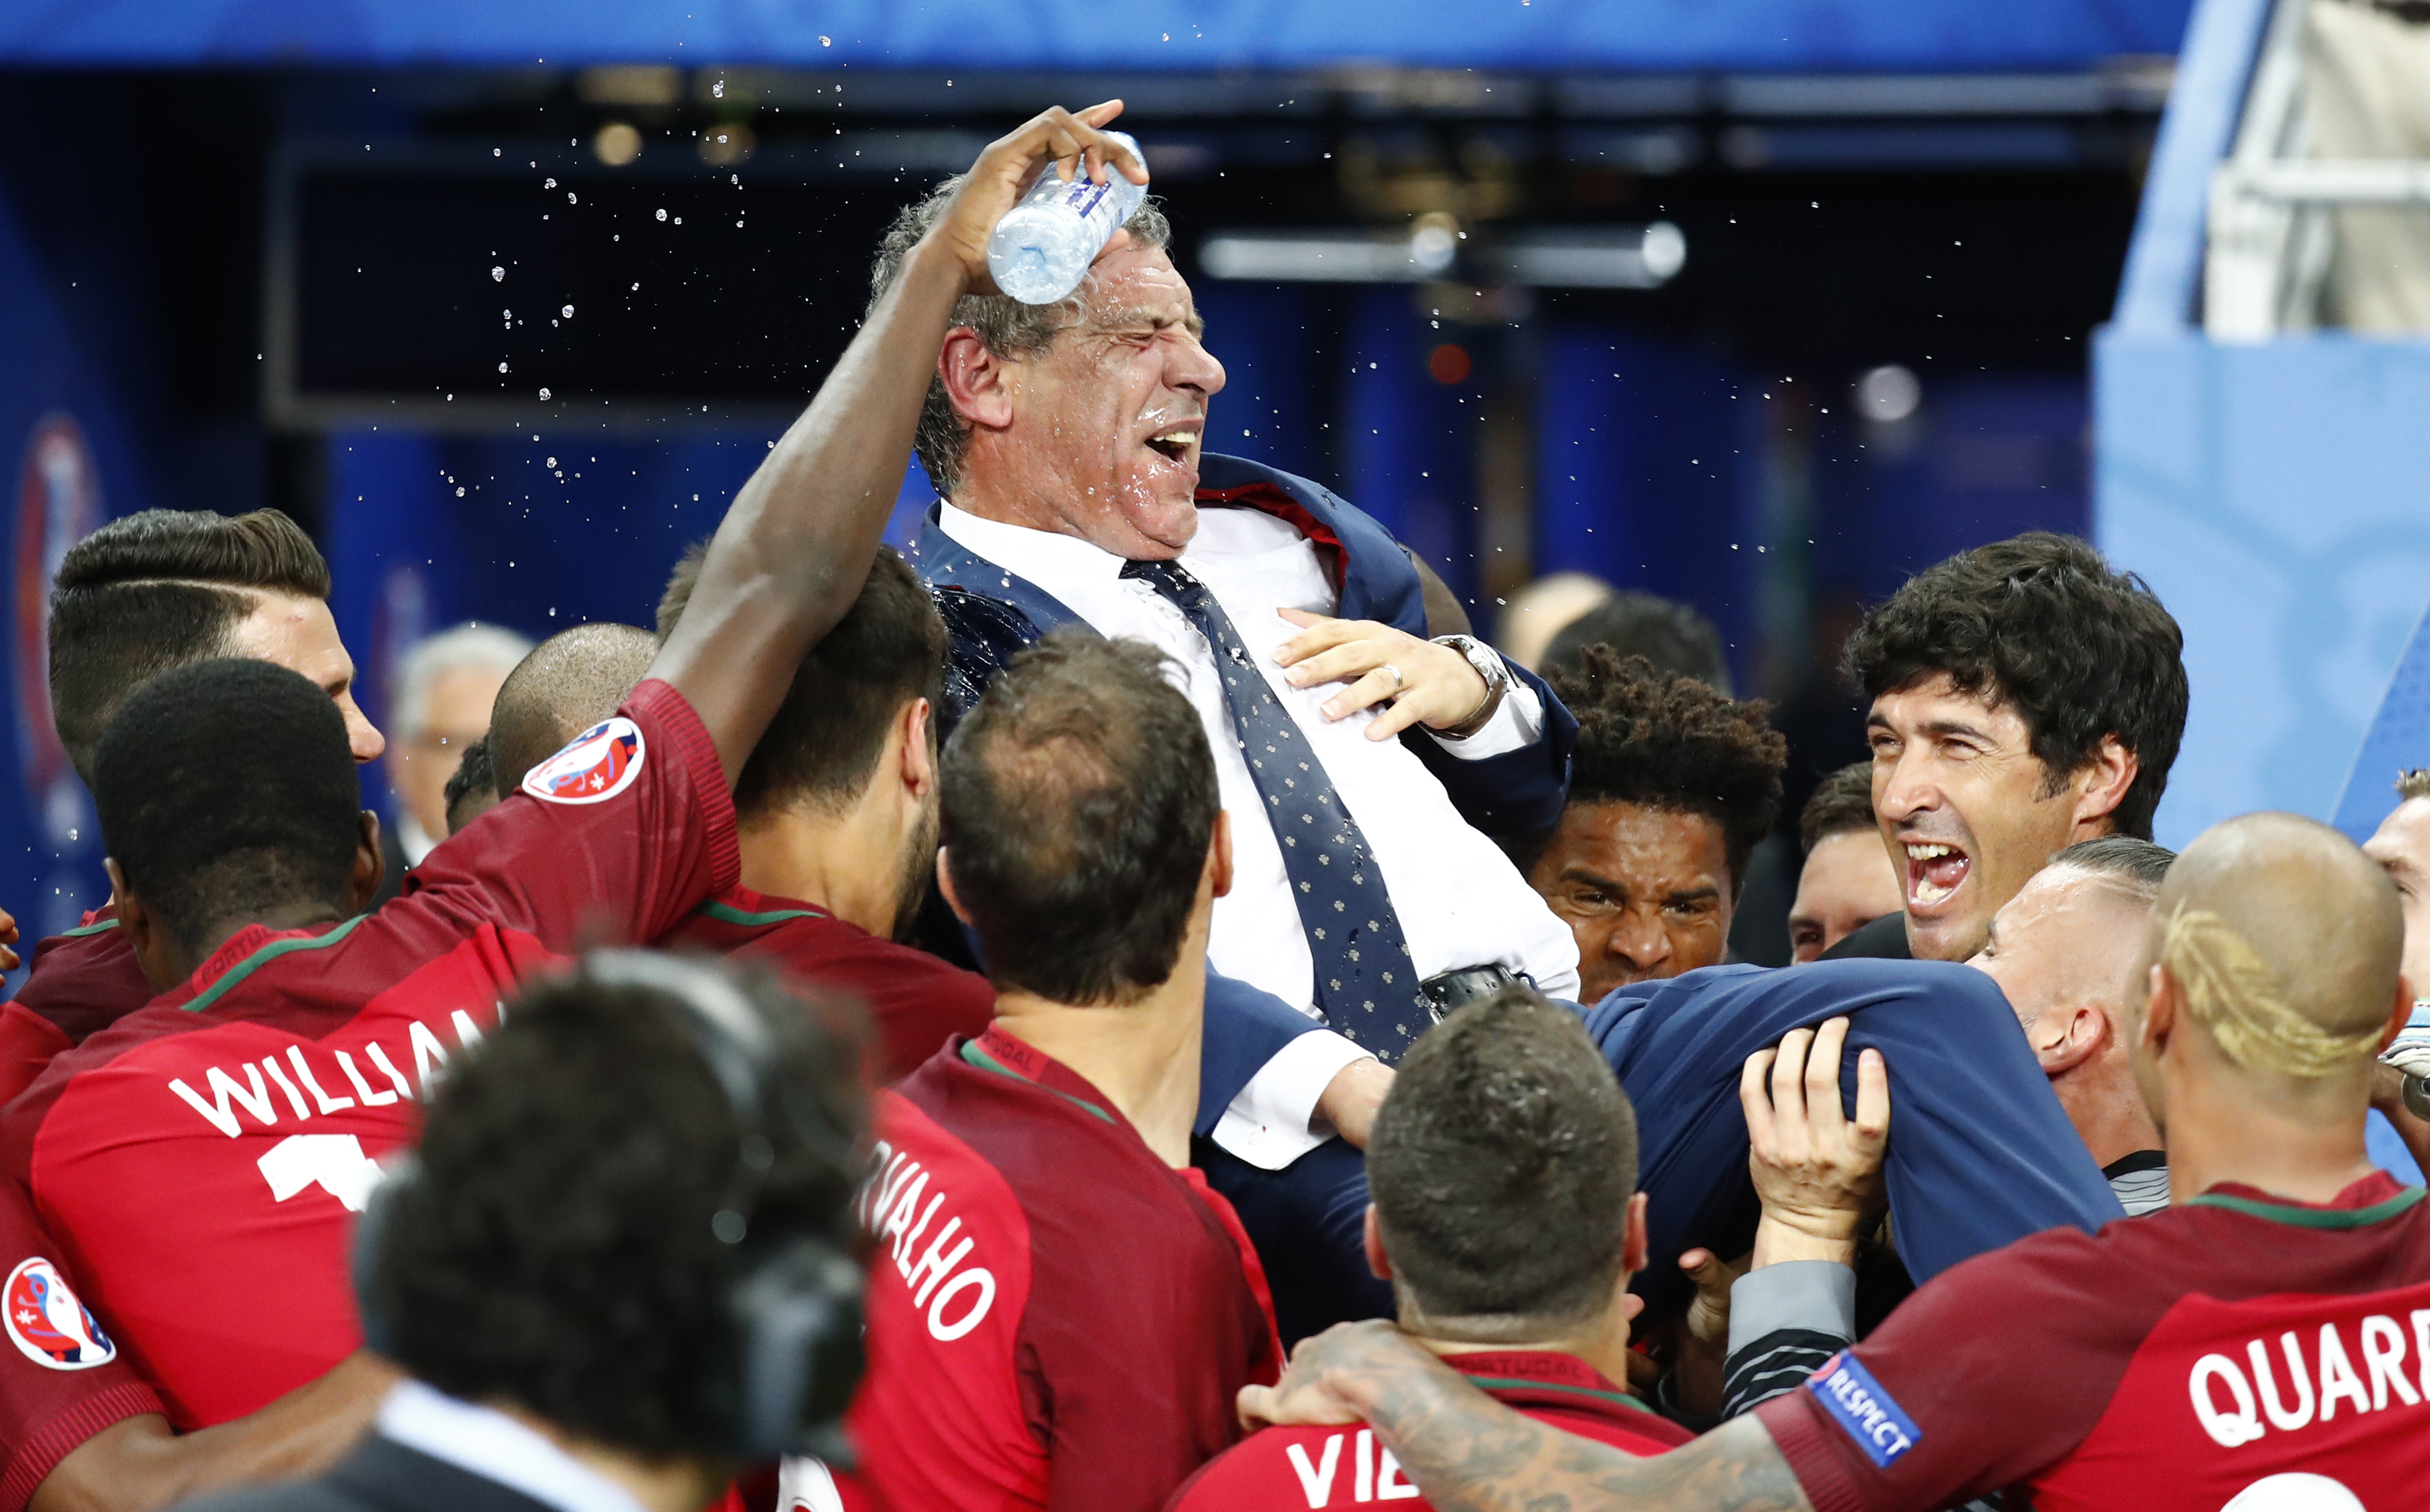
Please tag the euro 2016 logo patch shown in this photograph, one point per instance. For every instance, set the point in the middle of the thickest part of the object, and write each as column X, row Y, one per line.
column 1880, row 1427
column 601, row 762
column 49, row 1324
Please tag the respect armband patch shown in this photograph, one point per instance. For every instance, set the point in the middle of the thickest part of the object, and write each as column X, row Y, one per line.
column 1858, row 1403
column 597, row 765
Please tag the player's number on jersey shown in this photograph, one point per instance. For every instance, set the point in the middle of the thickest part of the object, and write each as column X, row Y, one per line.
column 333, row 1162
column 2295, row 1492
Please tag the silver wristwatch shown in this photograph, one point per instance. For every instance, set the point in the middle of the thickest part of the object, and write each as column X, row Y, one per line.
column 1488, row 666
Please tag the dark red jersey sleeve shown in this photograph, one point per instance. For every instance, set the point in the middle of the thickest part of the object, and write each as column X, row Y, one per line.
column 1991, row 1373
column 85, row 980
column 611, row 841
column 61, row 1380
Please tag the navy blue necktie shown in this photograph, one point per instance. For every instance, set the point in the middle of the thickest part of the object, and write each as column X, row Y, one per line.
column 1365, row 981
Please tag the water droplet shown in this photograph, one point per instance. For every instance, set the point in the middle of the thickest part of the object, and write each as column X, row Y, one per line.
column 498, row 276
column 662, row 213
column 460, row 492
column 497, row 151
column 501, row 367
column 717, row 90
column 567, row 312
column 543, row 393
column 551, row 184
column 552, row 462
column 826, row 42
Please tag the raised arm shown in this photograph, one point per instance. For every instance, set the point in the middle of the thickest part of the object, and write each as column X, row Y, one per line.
column 1468, row 1453
column 796, row 544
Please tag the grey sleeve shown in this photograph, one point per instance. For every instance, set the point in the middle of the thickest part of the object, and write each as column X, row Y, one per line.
column 1784, row 1322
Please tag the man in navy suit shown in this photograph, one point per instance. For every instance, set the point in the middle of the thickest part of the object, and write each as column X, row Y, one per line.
column 1066, row 442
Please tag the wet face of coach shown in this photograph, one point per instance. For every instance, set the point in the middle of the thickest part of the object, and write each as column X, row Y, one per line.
column 2026, row 698
column 1084, row 417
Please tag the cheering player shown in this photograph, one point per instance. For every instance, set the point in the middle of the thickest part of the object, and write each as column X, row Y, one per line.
column 1504, row 1166
column 198, row 1159
column 2263, row 1336
column 1059, row 1308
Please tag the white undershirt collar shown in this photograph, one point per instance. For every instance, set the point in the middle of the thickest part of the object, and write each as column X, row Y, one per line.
column 490, row 1444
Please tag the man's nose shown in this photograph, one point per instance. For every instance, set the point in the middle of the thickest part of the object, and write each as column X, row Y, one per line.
column 1906, row 790
column 1639, row 939
column 362, row 737
column 1187, row 364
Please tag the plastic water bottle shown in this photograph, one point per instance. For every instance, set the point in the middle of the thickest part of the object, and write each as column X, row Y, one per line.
column 1042, row 247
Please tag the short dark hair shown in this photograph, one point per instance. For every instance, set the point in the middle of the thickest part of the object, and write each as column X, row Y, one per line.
column 1671, row 635
column 472, row 786
column 570, row 681
column 1668, row 742
column 226, row 791
column 2137, row 865
column 555, row 1246
column 828, row 733
column 1078, row 801
column 159, row 589
column 1007, row 327
column 2042, row 624
column 1842, row 804
column 2413, row 784
column 1501, row 1165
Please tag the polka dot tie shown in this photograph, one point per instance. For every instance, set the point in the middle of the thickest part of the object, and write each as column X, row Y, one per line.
column 1365, row 981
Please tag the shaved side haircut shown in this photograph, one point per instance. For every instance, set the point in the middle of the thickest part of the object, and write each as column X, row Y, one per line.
column 161, row 589
column 570, row 681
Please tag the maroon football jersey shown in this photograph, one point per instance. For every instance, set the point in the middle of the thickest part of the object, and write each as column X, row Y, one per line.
column 915, row 1001
column 1304, row 1469
column 200, row 1161
column 2233, row 1348
column 1056, row 1319
column 82, row 982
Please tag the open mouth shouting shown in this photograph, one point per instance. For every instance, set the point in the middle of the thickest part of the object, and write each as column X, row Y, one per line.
column 1934, row 870
column 1178, row 443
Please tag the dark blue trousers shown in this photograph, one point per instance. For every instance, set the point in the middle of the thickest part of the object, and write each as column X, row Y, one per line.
column 1980, row 1152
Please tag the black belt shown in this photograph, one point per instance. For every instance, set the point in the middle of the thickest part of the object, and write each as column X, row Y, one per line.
column 1452, row 990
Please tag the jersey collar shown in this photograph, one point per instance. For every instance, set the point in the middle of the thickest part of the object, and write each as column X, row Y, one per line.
column 246, row 952
column 1001, row 1054
column 2375, row 1198
column 1541, row 1375
column 745, row 910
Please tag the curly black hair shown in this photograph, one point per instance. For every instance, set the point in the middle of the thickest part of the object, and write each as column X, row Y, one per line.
column 2043, row 624
column 1668, row 741
column 556, row 1250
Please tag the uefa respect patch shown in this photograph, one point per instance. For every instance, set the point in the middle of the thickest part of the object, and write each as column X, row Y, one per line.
column 597, row 765
column 49, row 1324
column 1858, row 1403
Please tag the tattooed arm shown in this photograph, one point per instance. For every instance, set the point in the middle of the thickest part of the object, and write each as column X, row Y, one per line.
column 1468, row 1453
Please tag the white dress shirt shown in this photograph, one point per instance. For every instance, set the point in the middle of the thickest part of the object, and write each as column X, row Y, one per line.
column 495, row 1447
column 1460, row 900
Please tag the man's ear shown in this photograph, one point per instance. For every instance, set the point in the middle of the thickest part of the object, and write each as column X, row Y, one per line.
column 975, row 379
column 2101, row 784
column 1635, row 1248
column 2064, row 1039
column 2159, row 1012
column 371, row 868
column 156, row 953
column 913, row 724
column 2400, row 1015
column 1377, row 1260
column 1219, row 852
column 945, row 886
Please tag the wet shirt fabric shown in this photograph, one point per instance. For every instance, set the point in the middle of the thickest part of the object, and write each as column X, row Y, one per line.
column 915, row 1001
column 2233, row 1348
column 199, row 1161
column 1056, row 1319
column 1287, row 1469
